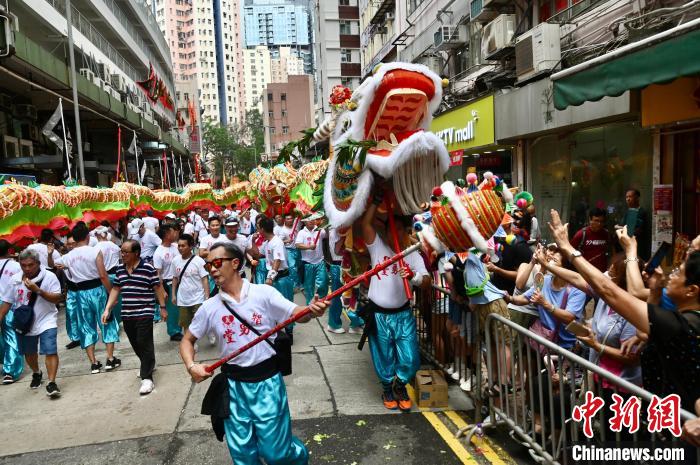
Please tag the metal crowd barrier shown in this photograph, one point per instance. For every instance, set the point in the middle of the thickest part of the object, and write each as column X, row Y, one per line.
column 534, row 397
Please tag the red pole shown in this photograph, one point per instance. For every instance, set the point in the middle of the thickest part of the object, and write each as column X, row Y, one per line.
column 380, row 267
column 395, row 237
column 119, row 151
column 294, row 229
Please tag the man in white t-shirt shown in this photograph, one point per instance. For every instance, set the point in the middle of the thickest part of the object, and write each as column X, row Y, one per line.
column 40, row 287
column 163, row 263
column 392, row 327
column 245, row 224
column 88, row 274
column 232, row 237
column 211, row 238
column 12, row 363
column 259, row 425
column 190, row 281
column 148, row 240
column 199, row 224
column 276, row 261
column 45, row 248
column 309, row 242
column 288, row 236
column 150, row 222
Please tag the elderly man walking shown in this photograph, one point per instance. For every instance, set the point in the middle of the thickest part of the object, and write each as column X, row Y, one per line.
column 38, row 288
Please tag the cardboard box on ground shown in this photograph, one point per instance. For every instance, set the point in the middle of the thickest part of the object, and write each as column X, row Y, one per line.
column 431, row 389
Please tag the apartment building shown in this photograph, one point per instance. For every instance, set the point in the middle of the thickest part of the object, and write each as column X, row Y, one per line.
column 287, row 110
column 257, row 74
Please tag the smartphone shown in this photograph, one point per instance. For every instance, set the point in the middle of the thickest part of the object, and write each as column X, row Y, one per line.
column 658, row 257
column 539, row 280
column 577, row 329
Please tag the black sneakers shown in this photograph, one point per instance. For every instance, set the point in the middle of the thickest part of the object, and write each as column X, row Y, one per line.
column 52, row 390
column 112, row 364
column 8, row 379
column 95, row 368
column 72, row 345
column 36, row 380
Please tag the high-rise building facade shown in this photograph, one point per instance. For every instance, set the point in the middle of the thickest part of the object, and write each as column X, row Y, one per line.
column 286, row 64
column 257, row 74
column 337, row 50
column 275, row 23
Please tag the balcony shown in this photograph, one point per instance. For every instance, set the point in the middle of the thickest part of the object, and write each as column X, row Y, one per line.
column 350, row 69
column 385, row 7
column 349, row 41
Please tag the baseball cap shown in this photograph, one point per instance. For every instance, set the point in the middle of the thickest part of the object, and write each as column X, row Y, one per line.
column 231, row 221
column 137, row 223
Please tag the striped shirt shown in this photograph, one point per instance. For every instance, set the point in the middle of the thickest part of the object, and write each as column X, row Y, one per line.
column 137, row 290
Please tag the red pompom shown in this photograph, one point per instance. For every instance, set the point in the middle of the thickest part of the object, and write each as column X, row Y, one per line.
column 437, row 192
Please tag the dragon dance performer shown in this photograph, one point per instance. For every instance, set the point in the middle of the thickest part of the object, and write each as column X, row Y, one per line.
column 310, row 242
column 276, row 261
column 287, row 234
column 163, row 263
column 335, row 323
column 12, row 361
column 88, row 274
column 248, row 399
column 389, row 323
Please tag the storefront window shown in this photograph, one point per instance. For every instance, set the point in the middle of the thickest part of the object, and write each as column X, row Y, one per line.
column 591, row 168
column 496, row 161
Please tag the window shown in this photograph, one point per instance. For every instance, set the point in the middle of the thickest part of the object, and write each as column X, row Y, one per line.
column 284, row 113
column 271, row 114
column 285, row 129
column 344, row 2
column 272, row 130
column 346, row 81
column 283, row 97
column 269, row 97
column 345, row 28
column 345, row 55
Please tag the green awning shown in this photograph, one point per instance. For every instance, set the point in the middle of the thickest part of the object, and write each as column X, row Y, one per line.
column 656, row 60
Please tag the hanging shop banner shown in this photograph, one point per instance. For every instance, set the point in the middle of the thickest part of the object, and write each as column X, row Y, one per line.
column 456, row 157
column 155, row 89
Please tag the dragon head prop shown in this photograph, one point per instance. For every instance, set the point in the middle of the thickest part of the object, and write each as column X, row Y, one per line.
column 381, row 131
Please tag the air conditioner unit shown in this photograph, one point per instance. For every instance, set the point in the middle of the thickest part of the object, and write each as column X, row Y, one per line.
column 448, row 37
column 25, row 112
column 98, row 82
column 497, row 37
column 381, row 30
column 87, row 74
column 118, row 82
column 8, row 22
column 11, row 145
column 26, row 148
column 479, row 12
column 537, row 51
column 5, row 102
column 436, row 64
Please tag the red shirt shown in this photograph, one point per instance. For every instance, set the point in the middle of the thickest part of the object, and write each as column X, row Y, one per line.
column 595, row 248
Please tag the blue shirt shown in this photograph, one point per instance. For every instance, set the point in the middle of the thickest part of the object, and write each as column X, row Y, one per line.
column 574, row 304
column 474, row 276
column 666, row 302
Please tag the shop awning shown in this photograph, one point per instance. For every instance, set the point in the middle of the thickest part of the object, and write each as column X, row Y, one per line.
column 658, row 59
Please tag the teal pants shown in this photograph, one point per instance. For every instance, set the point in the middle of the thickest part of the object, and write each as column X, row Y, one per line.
column 315, row 280
column 293, row 262
column 260, row 426
column 173, row 312
column 72, row 316
column 336, row 308
column 260, row 272
column 12, row 361
column 285, row 286
column 394, row 347
column 90, row 305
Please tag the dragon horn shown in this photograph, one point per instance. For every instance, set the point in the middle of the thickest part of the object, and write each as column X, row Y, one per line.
column 323, row 132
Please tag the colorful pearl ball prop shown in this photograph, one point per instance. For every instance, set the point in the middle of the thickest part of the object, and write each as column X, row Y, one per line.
column 472, row 178
column 521, row 203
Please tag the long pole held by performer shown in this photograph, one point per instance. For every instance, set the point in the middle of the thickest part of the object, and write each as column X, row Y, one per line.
column 380, row 267
column 119, row 151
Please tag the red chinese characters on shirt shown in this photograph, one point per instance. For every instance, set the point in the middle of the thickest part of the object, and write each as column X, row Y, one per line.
column 625, row 413
column 587, row 411
column 385, row 272
column 244, row 330
column 229, row 332
column 257, row 319
column 665, row 414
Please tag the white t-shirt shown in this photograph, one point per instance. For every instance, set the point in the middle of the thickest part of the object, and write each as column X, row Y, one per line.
column 198, row 223
column 93, row 241
column 274, row 250
column 245, row 226
column 281, row 232
column 262, row 306
column 253, row 214
column 286, row 234
column 240, row 241
column 82, row 263
column 149, row 243
column 189, row 289
column 9, row 270
column 386, row 288
column 333, row 238
column 163, row 261
column 111, row 253
column 150, row 223
column 43, row 252
column 307, row 237
column 189, row 229
column 45, row 313
column 207, row 241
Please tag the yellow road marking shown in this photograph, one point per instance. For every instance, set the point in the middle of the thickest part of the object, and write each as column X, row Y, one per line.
column 455, row 444
column 486, row 445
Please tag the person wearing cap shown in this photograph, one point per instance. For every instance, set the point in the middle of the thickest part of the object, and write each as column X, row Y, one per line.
column 309, row 242
column 148, row 240
column 514, row 252
column 234, row 238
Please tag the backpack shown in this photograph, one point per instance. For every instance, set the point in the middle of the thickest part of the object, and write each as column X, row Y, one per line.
column 24, row 315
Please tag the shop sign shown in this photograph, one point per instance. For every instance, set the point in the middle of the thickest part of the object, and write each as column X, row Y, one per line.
column 670, row 103
column 456, row 157
column 466, row 127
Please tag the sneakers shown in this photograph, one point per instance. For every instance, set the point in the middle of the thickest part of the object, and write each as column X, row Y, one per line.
column 72, row 345
column 147, row 387
column 176, row 337
column 36, row 380
column 356, row 330
column 112, row 364
column 401, row 396
column 389, row 401
column 335, row 330
column 52, row 390
column 449, row 370
column 8, row 379
column 455, row 376
column 466, row 384
column 95, row 368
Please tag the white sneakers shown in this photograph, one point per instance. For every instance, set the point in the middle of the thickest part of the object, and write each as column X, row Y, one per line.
column 147, row 387
column 335, row 331
column 466, row 384
column 356, row 330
